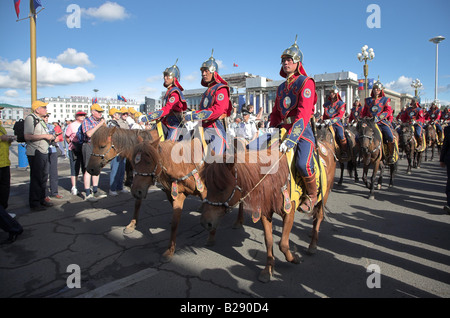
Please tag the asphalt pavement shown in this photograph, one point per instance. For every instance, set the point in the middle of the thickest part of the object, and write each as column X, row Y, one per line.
column 396, row 246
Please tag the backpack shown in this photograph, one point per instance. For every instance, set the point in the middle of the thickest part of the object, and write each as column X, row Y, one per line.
column 78, row 140
column 19, row 128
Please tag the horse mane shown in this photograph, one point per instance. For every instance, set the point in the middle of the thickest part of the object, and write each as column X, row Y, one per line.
column 124, row 139
column 373, row 125
column 266, row 195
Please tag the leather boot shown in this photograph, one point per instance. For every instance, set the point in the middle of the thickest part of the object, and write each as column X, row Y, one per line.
column 310, row 194
column 344, row 149
column 419, row 142
column 391, row 148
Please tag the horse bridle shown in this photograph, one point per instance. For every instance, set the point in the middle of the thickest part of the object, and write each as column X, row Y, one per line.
column 226, row 204
column 370, row 139
column 103, row 155
column 152, row 174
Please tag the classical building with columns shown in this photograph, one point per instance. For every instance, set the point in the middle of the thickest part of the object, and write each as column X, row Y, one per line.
column 261, row 91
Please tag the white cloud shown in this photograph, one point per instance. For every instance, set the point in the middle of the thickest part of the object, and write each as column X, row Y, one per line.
column 11, row 93
column 155, row 78
column 72, row 57
column 401, row 85
column 193, row 77
column 16, row 74
column 109, row 11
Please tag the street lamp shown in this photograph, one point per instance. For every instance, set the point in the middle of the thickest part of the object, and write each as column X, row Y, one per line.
column 436, row 40
column 366, row 55
column 416, row 84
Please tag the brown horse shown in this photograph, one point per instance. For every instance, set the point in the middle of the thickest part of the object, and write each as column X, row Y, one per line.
column 407, row 143
column 107, row 143
column 260, row 182
column 177, row 167
column 371, row 141
column 432, row 140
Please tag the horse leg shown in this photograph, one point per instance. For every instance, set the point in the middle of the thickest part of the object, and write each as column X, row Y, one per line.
column 132, row 226
column 240, row 218
column 312, row 249
column 177, row 206
column 392, row 169
column 288, row 221
column 267, row 272
column 372, row 180
column 342, row 173
column 364, row 176
column 380, row 178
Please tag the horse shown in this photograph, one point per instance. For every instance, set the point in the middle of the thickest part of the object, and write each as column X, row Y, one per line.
column 371, row 141
column 407, row 143
column 432, row 140
column 109, row 142
column 177, row 167
column 261, row 183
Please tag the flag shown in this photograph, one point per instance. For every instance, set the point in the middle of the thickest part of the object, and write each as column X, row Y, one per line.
column 360, row 84
column 37, row 4
column 119, row 97
column 370, row 83
column 94, row 100
column 16, row 5
column 235, row 65
column 123, row 98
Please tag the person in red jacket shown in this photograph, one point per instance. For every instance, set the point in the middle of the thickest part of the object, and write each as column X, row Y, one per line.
column 414, row 114
column 379, row 107
column 215, row 105
column 294, row 107
column 174, row 105
column 334, row 110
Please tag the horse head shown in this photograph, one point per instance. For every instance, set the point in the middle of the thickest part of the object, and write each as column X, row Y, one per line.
column 367, row 134
column 103, row 150
column 146, row 167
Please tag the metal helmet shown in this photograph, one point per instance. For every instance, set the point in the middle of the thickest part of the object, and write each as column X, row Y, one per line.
column 210, row 64
column 334, row 88
column 173, row 71
column 294, row 52
column 378, row 84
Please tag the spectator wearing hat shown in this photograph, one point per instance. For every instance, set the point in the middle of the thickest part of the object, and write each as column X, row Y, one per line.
column 117, row 164
column 75, row 155
column 38, row 140
column 247, row 129
column 89, row 127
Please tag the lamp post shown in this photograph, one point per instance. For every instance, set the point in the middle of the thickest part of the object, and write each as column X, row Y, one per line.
column 416, row 84
column 436, row 40
column 366, row 55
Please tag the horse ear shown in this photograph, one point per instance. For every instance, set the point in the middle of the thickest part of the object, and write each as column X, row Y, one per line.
column 156, row 142
column 112, row 131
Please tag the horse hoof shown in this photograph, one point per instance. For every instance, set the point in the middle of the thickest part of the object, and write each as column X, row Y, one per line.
column 211, row 241
column 264, row 276
column 311, row 251
column 371, row 197
column 166, row 257
column 379, row 187
column 129, row 229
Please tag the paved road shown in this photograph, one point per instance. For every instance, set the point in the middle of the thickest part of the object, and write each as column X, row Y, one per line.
column 403, row 232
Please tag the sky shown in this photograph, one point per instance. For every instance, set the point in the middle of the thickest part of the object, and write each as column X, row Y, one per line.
column 123, row 47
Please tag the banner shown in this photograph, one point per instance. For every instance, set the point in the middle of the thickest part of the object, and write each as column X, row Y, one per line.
column 360, row 85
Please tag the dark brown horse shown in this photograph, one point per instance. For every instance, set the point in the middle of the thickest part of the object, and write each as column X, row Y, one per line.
column 407, row 143
column 107, row 143
column 371, row 142
column 259, row 181
column 177, row 167
column 432, row 140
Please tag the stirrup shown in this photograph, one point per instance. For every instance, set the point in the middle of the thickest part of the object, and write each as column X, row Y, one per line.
column 311, row 206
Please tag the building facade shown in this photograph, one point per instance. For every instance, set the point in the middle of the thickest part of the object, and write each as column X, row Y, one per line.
column 62, row 108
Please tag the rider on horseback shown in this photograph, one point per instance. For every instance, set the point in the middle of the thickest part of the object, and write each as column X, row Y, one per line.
column 415, row 113
column 334, row 110
column 355, row 112
column 432, row 116
column 378, row 106
column 174, row 104
column 294, row 107
column 215, row 105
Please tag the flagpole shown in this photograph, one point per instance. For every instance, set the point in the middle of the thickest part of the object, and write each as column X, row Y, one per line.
column 33, row 52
